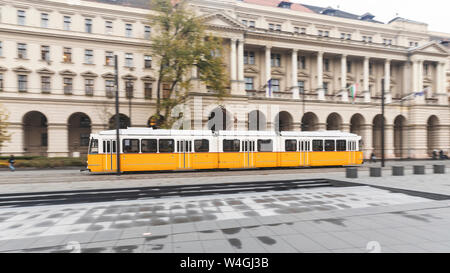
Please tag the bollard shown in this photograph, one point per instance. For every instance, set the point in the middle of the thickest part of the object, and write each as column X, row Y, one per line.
column 351, row 172
column 419, row 169
column 375, row 172
column 439, row 169
column 398, row 170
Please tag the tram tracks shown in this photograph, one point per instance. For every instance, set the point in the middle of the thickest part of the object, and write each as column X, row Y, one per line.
column 139, row 193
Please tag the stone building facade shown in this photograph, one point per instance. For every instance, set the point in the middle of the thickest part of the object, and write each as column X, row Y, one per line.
column 291, row 66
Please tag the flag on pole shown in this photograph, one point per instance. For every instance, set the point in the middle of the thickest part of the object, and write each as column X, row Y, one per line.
column 421, row 93
column 269, row 85
column 353, row 90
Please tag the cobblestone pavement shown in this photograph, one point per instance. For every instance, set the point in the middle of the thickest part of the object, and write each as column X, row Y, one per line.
column 304, row 220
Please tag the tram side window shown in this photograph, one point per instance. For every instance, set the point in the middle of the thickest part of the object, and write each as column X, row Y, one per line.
column 341, row 145
column 149, row 146
column 131, row 146
column 201, row 145
column 317, row 145
column 231, row 145
column 291, row 145
column 93, row 149
column 329, row 145
column 166, row 145
column 265, row 145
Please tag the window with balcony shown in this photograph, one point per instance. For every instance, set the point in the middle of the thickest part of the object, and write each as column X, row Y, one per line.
column 249, row 57
column 45, row 84
column 249, row 85
column 89, row 87
column 301, row 86
column 67, row 22
column 148, row 90
column 88, row 25
column 44, row 20
column 129, row 59
column 21, row 51
column 68, row 86
column 67, row 55
column 129, row 88
column 109, row 58
column 275, row 60
column 108, row 27
column 21, row 17
column 88, row 56
column 147, row 32
column 45, row 53
column 22, row 83
column 129, row 30
column 147, row 61
column 110, row 88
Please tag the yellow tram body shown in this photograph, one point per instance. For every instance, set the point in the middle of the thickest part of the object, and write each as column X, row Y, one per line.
column 178, row 150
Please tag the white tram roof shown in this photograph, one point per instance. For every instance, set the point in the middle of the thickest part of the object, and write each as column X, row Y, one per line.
column 161, row 132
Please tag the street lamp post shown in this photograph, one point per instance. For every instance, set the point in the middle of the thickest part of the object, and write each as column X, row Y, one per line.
column 116, row 66
column 382, row 126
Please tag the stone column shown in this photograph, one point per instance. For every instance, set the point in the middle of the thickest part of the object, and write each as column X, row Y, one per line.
column 240, row 68
column 320, row 91
column 389, row 141
column 58, row 142
column 233, row 67
column 414, row 76
column 366, row 88
column 268, row 67
column 441, row 92
column 419, row 79
column 344, row 91
column 294, row 80
column 387, row 81
column 367, row 140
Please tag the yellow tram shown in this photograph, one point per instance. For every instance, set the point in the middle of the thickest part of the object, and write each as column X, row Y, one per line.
column 145, row 149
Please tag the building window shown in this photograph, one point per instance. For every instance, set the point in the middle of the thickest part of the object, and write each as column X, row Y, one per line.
column 387, row 42
column 148, row 61
column 129, row 30
column 349, row 36
column 326, row 33
column 21, row 17
column 370, row 68
column 88, row 25
column 67, row 57
column 278, row 27
column 129, row 59
column 148, row 90
column 109, row 87
column 296, row 30
column 301, row 86
column 1, row 49
column 249, row 57
column 129, row 88
column 349, row 67
column 44, row 20
column 271, row 26
column 302, row 62
column 303, row 30
column 249, row 84
column 88, row 56
column 326, row 65
column 68, row 86
column 21, row 51
column 325, row 87
column 22, row 83
column 45, row 53
column 320, row 33
column 245, row 22
column 109, row 58
column 276, row 60
column 1, row 82
column 89, row 86
column 426, row 69
column 276, row 85
column 44, row 139
column 367, row 39
column 67, row 22
column 108, row 27
column 251, row 24
column 84, row 140
column 45, row 84
column 147, row 32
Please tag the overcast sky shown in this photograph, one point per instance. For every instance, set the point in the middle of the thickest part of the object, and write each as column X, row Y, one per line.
column 436, row 13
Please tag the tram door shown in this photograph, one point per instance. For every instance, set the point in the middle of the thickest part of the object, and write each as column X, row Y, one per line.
column 305, row 146
column 184, row 148
column 248, row 149
column 109, row 150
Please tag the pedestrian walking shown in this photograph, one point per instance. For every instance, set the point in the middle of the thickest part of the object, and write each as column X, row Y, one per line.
column 373, row 158
column 11, row 162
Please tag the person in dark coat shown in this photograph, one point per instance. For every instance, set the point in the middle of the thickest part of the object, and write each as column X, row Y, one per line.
column 442, row 155
column 11, row 162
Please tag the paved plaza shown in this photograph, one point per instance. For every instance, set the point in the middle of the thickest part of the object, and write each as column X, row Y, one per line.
column 389, row 215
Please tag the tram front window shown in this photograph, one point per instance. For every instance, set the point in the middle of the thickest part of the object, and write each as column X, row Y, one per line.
column 93, row 147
